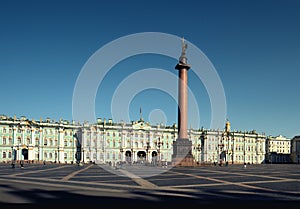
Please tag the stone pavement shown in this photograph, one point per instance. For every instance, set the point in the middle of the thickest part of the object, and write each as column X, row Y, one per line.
column 152, row 187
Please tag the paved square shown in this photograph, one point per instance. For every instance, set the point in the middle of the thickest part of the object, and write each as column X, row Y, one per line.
column 270, row 184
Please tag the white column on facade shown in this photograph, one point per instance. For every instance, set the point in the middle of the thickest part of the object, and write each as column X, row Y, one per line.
column 41, row 144
column 97, row 144
column 60, row 147
column 23, row 135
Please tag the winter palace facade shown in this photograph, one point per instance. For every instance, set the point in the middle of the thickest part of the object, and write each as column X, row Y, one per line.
column 136, row 142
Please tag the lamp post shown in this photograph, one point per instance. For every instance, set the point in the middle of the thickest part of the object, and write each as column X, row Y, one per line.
column 158, row 145
column 121, row 150
column 198, row 152
column 147, row 152
column 131, row 157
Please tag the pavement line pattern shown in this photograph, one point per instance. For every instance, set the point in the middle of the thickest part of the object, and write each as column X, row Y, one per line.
column 232, row 183
column 247, row 174
column 38, row 171
column 108, row 192
column 66, row 178
column 235, row 183
column 140, row 181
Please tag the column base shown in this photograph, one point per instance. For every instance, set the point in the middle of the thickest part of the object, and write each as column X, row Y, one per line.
column 182, row 153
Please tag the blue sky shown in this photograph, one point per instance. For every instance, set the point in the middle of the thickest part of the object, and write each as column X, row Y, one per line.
column 254, row 46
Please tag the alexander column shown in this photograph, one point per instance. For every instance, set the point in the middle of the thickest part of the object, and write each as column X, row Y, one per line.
column 182, row 147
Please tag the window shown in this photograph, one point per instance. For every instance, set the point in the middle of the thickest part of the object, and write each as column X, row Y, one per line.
column 36, row 141
column 45, row 142
column 65, row 143
column 4, row 130
column 4, row 140
column 4, row 154
column 10, row 141
column 9, row 155
column 67, row 133
column 19, row 130
column 50, row 155
column 65, row 156
column 9, row 130
column 19, row 140
column 45, row 154
column 28, row 131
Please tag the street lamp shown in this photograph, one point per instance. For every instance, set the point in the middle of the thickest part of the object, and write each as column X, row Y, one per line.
column 158, row 145
column 147, row 150
column 198, row 150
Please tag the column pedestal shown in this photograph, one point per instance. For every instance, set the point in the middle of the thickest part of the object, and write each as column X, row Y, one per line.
column 182, row 153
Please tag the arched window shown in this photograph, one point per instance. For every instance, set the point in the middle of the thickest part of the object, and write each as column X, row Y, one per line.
column 50, row 155
column 4, row 154
column 45, row 154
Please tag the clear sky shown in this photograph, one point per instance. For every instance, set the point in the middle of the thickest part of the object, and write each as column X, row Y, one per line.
column 254, row 46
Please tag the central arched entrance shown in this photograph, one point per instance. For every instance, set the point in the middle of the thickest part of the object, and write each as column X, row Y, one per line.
column 141, row 156
column 154, row 157
column 223, row 157
column 25, row 154
column 128, row 156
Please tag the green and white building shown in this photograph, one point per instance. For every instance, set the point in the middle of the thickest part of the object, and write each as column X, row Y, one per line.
column 30, row 140
column 108, row 141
